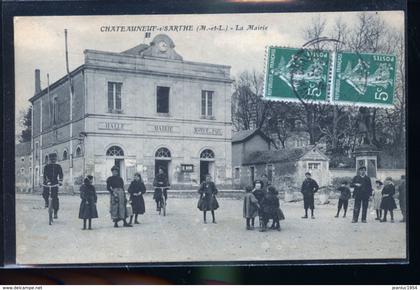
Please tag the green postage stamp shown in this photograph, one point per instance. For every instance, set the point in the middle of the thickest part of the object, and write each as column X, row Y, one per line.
column 296, row 75
column 321, row 76
column 364, row 79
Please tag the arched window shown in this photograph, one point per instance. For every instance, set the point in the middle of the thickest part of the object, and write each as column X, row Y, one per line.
column 115, row 151
column 163, row 153
column 65, row 155
column 207, row 154
column 78, row 151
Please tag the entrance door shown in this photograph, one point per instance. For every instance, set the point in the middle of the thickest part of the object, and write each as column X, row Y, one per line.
column 164, row 164
column 121, row 165
column 204, row 170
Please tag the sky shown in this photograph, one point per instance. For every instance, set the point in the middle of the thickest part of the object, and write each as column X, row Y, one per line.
column 39, row 41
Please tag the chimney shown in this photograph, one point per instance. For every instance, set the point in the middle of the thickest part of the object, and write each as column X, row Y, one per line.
column 37, row 81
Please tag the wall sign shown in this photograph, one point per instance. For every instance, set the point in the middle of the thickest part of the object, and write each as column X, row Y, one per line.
column 208, row 131
column 114, row 126
column 159, row 128
column 187, row 167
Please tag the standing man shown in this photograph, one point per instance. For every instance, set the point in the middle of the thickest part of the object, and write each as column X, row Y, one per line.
column 53, row 177
column 402, row 197
column 362, row 191
column 309, row 187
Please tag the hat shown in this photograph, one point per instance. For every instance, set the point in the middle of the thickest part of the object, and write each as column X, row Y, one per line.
column 308, row 173
column 115, row 168
column 362, row 167
column 389, row 178
column 379, row 181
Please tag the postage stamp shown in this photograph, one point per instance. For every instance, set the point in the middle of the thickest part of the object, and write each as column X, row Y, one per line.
column 296, row 75
column 364, row 79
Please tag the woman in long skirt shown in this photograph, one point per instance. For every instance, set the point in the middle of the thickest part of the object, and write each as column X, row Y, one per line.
column 388, row 201
column 118, row 202
column 136, row 190
column 377, row 199
column 87, row 210
column 208, row 201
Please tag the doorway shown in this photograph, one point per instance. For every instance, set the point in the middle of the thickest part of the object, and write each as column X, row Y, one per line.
column 121, row 165
column 206, row 167
column 164, row 164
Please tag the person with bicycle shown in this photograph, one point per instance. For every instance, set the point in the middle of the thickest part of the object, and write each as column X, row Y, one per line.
column 161, row 185
column 53, row 178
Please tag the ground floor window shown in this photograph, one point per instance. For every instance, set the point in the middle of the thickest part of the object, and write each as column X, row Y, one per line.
column 236, row 174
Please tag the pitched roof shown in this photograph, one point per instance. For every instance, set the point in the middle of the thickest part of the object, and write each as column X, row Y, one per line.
column 245, row 135
column 284, row 155
column 23, row 149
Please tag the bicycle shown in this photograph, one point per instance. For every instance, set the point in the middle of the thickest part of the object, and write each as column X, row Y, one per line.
column 50, row 203
column 161, row 200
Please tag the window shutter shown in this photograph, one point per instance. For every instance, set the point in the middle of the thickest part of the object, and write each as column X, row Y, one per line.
column 110, row 96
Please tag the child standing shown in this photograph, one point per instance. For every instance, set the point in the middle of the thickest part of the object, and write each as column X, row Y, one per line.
column 343, row 200
column 208, row 201
column 87, row 210
column 259, row 195
column 250, row 207
column 388, row 202
column 377, row 199
column 270, row 209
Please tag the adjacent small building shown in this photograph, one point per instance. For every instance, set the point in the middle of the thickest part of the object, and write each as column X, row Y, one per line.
column 23, row 167
column 285, row 168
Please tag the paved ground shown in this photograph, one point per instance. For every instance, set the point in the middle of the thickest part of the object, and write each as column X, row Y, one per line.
column 181, row 235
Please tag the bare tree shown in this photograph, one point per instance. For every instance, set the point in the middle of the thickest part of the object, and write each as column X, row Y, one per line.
column 249, row 111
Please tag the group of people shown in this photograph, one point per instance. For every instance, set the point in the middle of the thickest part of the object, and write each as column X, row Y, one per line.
column 261, row 200
column 383, row 196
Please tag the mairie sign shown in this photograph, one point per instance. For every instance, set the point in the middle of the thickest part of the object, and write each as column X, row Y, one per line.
column 364, row 79
column 347, row 78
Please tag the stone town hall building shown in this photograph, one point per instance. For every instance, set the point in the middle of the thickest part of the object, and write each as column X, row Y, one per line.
column 140, row 109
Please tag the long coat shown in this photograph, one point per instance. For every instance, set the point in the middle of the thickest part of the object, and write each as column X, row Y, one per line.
column 402, row 195
column 207, row 199
column 308, row 189
column 161, row 180
column 118, row 200
column 388, row 202
column 136, row 190
column 270, row 207
column 364, row 191
column 87, row 208
column 250, row 209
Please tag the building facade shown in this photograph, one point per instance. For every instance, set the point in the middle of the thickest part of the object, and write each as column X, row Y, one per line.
column 140, row 109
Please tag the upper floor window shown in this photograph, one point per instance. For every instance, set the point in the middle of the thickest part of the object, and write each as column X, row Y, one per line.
column 22, row 159
column 36, row 151
column 207, row 103
column 162, row 100
column 55, row 111
column 114, row 97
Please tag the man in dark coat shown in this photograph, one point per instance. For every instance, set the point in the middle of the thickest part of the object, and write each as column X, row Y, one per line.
column 53, row 177
column 402, row 197
column 309, row 188
column 362, row 191
column 161, row 183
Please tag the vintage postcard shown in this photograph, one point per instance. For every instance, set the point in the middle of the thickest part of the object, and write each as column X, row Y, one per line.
column 212, row 137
